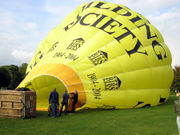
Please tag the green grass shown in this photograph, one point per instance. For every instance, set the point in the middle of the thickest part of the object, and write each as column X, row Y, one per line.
column 159, row 120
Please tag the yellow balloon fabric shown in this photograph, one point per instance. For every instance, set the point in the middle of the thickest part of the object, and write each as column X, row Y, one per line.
column 110, row 54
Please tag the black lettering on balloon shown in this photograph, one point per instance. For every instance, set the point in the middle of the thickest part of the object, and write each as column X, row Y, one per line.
column 149, row 36
column 66, row 55
column 27, row 73
column 98, row 20
column 158, row 54
column 117, row 9
column 100, row 4
column 59, row 54
column 31, row 66
column 70, row 25
column 35, row 63
column 93, row 78
column 127, row 33
column 136, row 19
column 135, row 49
column 83, row 18
column 140, row 103
column 94, row 81
column 109, row 24
column 38, row 56
column 83, row 8
column 97, row 93
column 89, row 5
column 126, row 13
column 107, row 107
column 146, row 105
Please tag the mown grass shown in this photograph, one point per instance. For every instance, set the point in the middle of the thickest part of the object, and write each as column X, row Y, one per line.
column 159, row 120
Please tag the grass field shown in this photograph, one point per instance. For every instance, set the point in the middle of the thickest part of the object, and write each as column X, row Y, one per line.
column 159, row 120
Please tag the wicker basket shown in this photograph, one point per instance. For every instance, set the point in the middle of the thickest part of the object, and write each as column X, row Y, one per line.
column 17, row 104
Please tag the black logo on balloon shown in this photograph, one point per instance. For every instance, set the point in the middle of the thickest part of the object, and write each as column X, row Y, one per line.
column 141, row 104
column 75, row 44
column 112, row 83
column 53, row 47
column 98, row 57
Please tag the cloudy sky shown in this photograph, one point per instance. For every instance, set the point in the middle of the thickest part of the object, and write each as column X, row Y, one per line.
column 25, row 23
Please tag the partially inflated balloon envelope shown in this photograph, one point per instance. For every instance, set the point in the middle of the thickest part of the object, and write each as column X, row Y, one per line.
column 110, row 54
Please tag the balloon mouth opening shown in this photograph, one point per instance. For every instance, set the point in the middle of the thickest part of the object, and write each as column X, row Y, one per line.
column 43, row 79
column 43, row 85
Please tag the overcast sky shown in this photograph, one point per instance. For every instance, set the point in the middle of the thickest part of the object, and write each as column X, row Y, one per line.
column 25, row 23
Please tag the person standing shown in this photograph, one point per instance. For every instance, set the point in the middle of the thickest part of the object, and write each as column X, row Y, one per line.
column 64, row 102
column 54, row 102
column 74, row 100
column 177, row 110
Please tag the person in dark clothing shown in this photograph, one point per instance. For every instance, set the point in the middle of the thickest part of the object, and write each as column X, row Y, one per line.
column 64, row 101
column 54, row 102
column 74, row 100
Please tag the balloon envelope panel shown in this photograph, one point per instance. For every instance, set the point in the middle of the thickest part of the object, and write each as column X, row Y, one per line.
column 110, row 54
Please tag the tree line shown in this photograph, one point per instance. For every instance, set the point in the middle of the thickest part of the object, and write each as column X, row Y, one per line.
column 175, row 87
column 12, row 75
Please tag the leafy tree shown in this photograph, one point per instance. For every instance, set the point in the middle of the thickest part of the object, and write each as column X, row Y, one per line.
column 12, row 75
column 15, row 76
column 176, row 83
column 5, row 78
column 22, row 70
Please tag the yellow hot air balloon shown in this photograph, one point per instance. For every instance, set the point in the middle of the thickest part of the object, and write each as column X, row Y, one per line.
column 110, row 54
